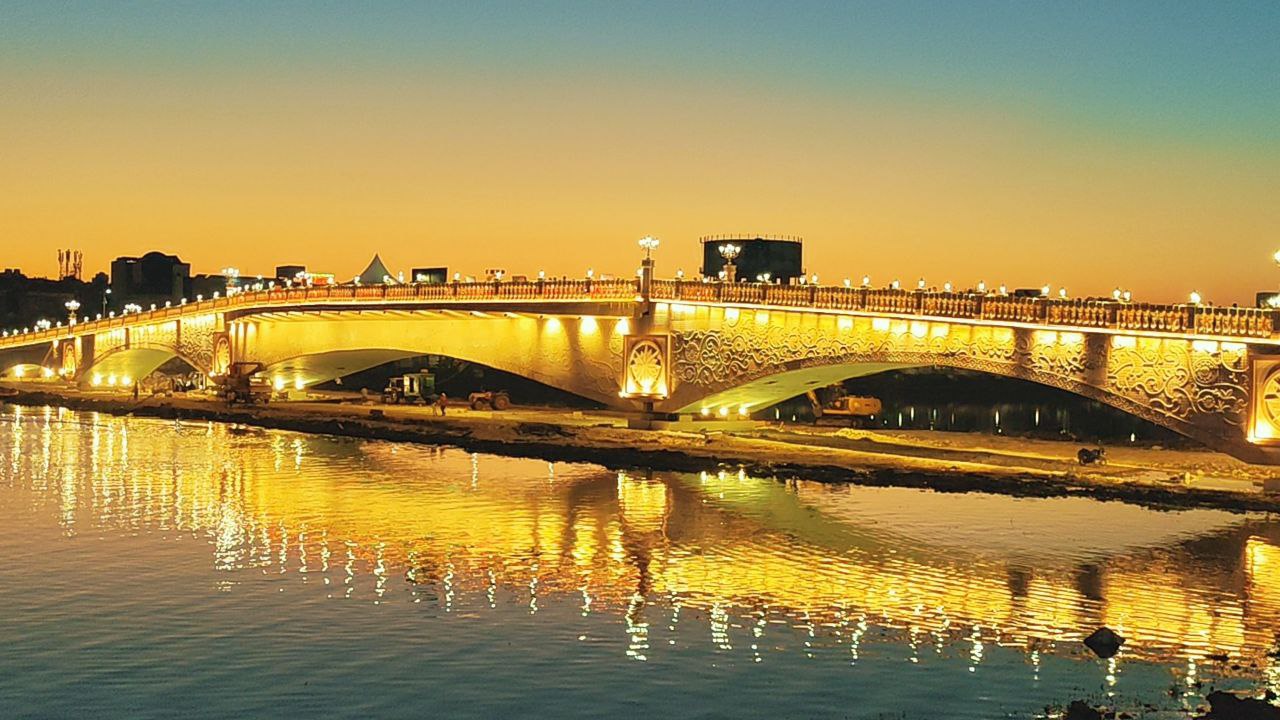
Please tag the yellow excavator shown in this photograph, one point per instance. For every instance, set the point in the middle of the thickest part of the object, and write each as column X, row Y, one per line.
column 833, row 405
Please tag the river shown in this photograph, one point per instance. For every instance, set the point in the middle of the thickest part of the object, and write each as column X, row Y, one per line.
column 156, row 569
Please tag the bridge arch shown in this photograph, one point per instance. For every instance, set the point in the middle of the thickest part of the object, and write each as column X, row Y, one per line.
column 580, row 354
column 124, row 365
column 758, row 357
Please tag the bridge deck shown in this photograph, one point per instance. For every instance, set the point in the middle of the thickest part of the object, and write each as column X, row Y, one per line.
column 1257, row 325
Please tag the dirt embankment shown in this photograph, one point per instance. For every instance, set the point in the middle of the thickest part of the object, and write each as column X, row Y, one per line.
column 763, row 454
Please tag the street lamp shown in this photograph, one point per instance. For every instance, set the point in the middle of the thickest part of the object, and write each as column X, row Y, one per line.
column 232, row 275
column 649, row 243
column 106, row 295
column 72, row 306
column 1195, row 298
column 730, row 252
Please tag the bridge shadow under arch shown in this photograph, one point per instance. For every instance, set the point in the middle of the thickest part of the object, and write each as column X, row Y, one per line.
column 125, row 365
column 795, row 378
column 580, row 355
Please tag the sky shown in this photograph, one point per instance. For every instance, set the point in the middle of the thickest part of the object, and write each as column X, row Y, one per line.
column 1086, row 145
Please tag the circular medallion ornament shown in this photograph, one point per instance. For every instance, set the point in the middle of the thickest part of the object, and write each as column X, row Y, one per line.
column 69, row 358
column 221, row 356
column 645, row 365
column 1271, row 398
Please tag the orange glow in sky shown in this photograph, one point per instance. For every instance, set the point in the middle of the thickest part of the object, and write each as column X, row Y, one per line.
column 554, row 143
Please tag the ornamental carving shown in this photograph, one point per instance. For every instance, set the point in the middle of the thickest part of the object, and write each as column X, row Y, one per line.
column 646, row 373
column 746, row 350
column 221, row 355
column 195, row 341
column 1174, row 382
column 1269, row 401
column 70, row 357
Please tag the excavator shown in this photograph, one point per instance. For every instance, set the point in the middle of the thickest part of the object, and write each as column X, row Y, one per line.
column 833, row 405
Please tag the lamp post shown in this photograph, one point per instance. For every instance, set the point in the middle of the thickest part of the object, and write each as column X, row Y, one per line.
column 106, row 295
column 730, row 252
column 649, row 243
column 72, row 306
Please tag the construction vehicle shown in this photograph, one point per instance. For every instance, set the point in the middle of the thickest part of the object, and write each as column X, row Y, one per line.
column 489, row 400
column 241, row 384
column 417, row 388
column 837, row 407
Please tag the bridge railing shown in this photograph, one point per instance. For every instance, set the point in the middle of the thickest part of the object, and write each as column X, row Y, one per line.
column 1085, row 313
column 588, row 290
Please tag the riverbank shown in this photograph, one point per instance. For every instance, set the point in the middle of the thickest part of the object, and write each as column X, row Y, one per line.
column 947, row 462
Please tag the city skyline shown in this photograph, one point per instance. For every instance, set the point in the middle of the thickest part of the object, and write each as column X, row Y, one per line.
column 1013, row 144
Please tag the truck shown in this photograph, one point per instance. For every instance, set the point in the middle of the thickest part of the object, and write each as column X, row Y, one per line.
column 242, row 385
column 837, row 407
column 417, row 388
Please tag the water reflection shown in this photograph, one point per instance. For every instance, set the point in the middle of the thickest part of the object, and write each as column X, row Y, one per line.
column 745, row 558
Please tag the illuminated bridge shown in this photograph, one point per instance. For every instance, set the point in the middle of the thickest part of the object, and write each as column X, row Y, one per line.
column 708, row 349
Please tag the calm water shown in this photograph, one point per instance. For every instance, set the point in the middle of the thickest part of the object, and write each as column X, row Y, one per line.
column 161, row 569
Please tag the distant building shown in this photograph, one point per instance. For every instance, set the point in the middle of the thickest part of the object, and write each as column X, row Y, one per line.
column 290, row 272
column 24, row 301
column 152, row 278
column 205, row 286
column 778, row 257
column 431, row 275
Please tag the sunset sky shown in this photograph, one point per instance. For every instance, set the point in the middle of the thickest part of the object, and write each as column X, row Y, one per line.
column 1081, row 144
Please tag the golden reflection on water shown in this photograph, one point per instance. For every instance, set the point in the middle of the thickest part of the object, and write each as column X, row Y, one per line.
column 959, row 571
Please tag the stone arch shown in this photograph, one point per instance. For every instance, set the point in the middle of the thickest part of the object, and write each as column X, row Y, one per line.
column 1198, row 390
column 580, row 355
column 121, row 365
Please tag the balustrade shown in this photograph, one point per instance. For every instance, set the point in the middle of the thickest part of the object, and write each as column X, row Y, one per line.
column 1187, row 319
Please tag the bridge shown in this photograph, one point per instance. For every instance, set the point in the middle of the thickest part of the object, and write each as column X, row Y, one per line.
column 707, row 349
